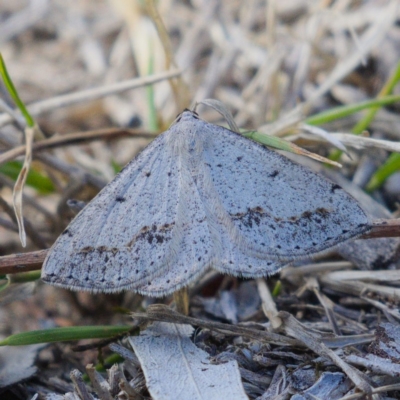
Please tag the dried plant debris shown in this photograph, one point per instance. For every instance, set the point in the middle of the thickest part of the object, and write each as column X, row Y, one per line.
column 264, row 371
column 331, row 385
column 383, row 355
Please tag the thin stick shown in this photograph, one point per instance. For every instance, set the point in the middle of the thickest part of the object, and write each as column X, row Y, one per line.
column 382, row 228
column 75, row 138
column 23, row 262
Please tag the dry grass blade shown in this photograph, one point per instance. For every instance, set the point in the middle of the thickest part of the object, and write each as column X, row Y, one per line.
column 328, row 305
column 360, row 142
column 100, row 385
column 158, row 312
column 80, row 386
column 379, row 275
column 371, row 38
column 223, row 110
column 20, row 183
column 36, row 238
column 179, row 87
column 74, row 138
column 91, row 94
column 294, row 329
column 268, row 304
column 381, row 389
column 356, row 288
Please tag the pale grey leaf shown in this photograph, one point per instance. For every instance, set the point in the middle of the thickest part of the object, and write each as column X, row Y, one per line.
column 17, row 363
column 176, row 369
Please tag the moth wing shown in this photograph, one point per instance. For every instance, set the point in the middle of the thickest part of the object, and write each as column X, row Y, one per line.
column 133, row 231
column 270, row 208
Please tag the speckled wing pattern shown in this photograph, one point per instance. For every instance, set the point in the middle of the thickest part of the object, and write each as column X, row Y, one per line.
column 200, row 196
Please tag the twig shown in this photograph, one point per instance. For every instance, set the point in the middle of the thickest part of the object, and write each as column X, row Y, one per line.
column 382, row 228
column 23, row 262
column 160, row 312
column 75, row 138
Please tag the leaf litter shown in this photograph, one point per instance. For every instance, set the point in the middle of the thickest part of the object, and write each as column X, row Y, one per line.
column 337, row 332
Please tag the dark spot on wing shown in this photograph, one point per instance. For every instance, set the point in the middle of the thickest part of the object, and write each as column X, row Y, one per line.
column 239, row 158
column 322, row 211
column 335, row 187
column 150, row 238
column 87, row 249
column 273, row 174
column 67, row 232
column 148, row 173
column 120, row 199
column 159, row 238
column 307, row 214
column 248, row 218
column 160, row 233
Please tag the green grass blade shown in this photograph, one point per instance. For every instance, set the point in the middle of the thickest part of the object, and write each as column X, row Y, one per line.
column 24, row 277
column 35, row 179
column 384, row 93
column 364, row 123
column 344, row 111
column 65, row 334
column 14, row 94
column 391, row 166
column 277, row 289
column 153, row 121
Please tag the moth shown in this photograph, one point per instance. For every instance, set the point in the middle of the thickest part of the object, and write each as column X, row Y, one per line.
column 200, row 196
